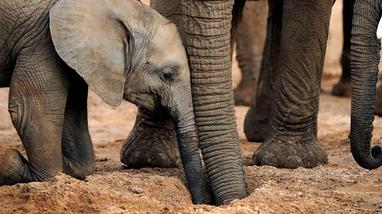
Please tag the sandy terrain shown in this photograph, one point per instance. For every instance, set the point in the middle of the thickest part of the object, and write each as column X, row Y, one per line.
column 338, row 187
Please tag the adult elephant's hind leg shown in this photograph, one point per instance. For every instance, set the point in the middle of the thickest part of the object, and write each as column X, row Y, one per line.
column 293, row 142
column 343, row 87
column 151, row 143
column 77, row 148
column 37, row 102
column 250, row 39
column 257, row 124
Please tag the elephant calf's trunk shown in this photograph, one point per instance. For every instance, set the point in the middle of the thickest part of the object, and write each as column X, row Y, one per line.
column 189, row 152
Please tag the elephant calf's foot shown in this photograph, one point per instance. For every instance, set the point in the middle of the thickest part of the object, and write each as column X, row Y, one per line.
column 342, row 89
column 243, row 94
column 151, row 144
column 11, row 168
column 290, row 152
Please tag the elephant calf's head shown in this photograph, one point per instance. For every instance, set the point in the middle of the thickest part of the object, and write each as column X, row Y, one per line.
column 160, row 75
column 126, row 50
column 122, row 49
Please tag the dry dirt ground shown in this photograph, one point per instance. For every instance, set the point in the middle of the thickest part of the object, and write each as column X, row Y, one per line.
column 338, row 187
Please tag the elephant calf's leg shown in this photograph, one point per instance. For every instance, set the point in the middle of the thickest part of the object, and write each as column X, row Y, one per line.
column 77, row 148
column 152, row 143
column 37, row 102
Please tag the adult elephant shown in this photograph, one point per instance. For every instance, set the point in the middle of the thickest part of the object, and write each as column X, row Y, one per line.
column 365, row 49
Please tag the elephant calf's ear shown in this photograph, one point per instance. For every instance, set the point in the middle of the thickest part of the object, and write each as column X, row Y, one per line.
column 91, row 40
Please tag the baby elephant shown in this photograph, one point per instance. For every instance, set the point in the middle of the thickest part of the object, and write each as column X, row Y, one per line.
column 51, row 51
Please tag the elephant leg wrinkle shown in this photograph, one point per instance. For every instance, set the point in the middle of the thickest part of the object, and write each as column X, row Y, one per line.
column 293, row 141
column 77, row 147
column 37, row 121
column 249, row 37
column 10, row 165
column 152, row 143
column 257, row 124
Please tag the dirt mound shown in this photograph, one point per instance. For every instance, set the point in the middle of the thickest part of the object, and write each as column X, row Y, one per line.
column 339, row 187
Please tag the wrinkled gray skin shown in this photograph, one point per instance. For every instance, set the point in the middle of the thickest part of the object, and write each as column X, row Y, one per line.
column 343, row 87
column 249, row 37
column 121, row 49
column 365, row 49
column 292, row 67
column 205, row 28
column 293, row 56
column 258, row 120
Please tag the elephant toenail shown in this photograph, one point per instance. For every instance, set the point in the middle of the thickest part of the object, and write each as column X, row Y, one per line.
column 293, row 162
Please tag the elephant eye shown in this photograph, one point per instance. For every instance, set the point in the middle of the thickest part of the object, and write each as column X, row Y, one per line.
column 167, row 74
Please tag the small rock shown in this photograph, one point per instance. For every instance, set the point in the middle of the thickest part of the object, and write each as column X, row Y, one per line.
column 136, row 190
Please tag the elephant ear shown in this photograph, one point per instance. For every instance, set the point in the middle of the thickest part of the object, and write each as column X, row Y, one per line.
column 89, row 36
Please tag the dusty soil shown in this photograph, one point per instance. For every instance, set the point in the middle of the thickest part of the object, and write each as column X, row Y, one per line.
column 338, row 187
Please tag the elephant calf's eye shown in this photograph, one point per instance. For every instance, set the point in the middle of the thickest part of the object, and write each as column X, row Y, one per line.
column 167, row 74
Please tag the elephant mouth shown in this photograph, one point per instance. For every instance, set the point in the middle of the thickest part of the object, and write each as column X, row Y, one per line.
column 148, row 101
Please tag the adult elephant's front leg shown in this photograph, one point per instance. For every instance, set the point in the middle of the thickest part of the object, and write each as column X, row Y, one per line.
column 37, row 102
column 293, row 142
column 207, row 27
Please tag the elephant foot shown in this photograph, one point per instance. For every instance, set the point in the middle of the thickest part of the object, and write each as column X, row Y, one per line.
column 290, row 152
column 342, row 89
column 257, row 123
column 11, row 168
column 243, row 94
column 152, row 143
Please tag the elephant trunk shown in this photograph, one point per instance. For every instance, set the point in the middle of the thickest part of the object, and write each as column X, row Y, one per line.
column 183, row 115
column 364, row 70
column 207, row 26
